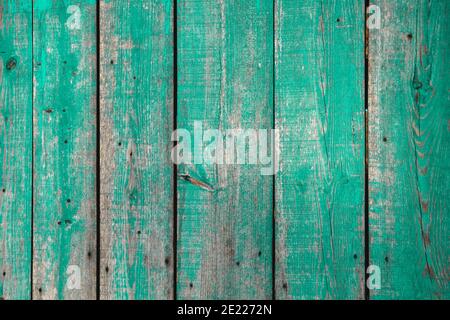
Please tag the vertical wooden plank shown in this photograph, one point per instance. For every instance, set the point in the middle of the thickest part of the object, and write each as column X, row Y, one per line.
column 64, row 117
column 15, row 149
column 225, row 77
column 409, row 114
column 320, row 114
column 136, row 170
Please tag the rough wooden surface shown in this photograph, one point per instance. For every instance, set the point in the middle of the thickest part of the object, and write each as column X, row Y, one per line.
column 320, row 113
column 136, row 170
column 225, row 63
column 64, row 118
column 295, row 65
column 409, row 117
column 15, row 149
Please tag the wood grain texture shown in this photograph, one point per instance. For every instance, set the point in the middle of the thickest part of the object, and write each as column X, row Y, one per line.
column 15, row 149
column 241, row 64
column 225, row 81
column 409, row 116
column 136, row 170
column 64, row 117
column 320, row 115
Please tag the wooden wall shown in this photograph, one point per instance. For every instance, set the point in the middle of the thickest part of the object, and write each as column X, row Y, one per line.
column 93, row 207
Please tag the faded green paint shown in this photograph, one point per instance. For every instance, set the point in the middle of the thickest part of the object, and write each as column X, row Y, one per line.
column 15, row 149
column 225, row 81
column 409, row 163
column 320, row 115
column 136, row 171
column 64, row 117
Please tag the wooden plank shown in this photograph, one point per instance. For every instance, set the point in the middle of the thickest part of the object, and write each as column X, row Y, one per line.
column 15, row 149
column 320, row 115
column 225, row 81
column 64, row 117
column 136, row 170
column 409, row 114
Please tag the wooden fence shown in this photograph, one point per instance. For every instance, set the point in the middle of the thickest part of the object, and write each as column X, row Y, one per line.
column 92, row 205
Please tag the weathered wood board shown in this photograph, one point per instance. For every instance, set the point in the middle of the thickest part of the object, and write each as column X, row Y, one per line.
column 92, row 205
column 225, row 81
column 64, row 140
column 15, row 149
column 409, row 162
column 136, row 101
column 320, row 114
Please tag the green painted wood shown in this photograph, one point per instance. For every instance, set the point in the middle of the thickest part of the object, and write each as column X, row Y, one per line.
column 15, row 149
column 225, row 81
column 64, row 117
column 136, row 170
column 409, row 116
column 320, row 114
